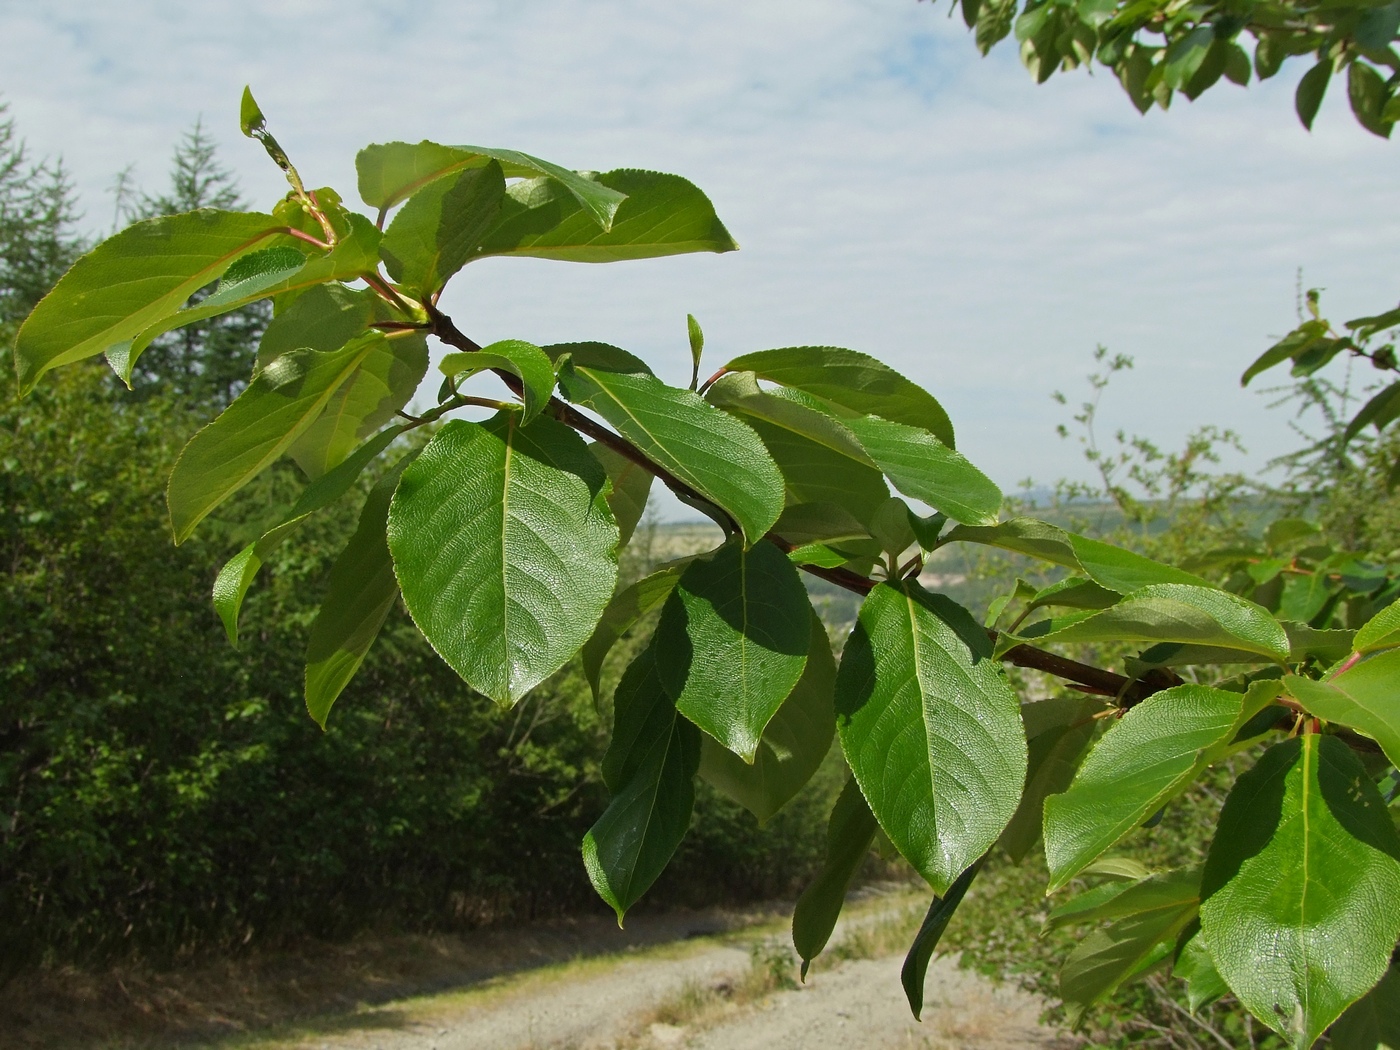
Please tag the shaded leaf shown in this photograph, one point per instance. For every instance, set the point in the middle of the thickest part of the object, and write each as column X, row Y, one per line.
column 915, row 969
column 1058, row 733
column 1311, row 88
column 623, row 611
column 1204, row 985
column 441, row 226
column 525, row 361
column 1372, row 1022
column 631, row 485
column 849, row 835
column 322, row 318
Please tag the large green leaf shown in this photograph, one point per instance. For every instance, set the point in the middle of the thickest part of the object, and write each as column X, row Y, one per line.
column 623, row 611
column 930, row 728
column 232, row 583
column 1301, row 892
column 390, row 173
column 441, row 226
column 814, row 474
column 650, row 766
column 1365, row 696
column 322, row 318
column 1147, row 758
column 711, row 451
column 505, row 549
column 1058, row 733
column 130, row 281
column 1146, row 920
column 914, row 972
column 1173, row 612
column 524, row 360
column 283, row 400
column 1373, row 1022
column 662, row 215
column 733, row 641
column 359, row 594
column 1112, row 567
column 849, row 835
column 631, row 485
column 793, row 745
column 382, row 384
column 853, row 380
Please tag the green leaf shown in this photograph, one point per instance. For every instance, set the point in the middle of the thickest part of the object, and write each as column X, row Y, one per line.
column 1148, row 917
column 1380, row 411
column 283, row 400
column 392, row 172
column 711, row 451
column 526, row 361
column 733, row 641
column 849, row 835
column 623, row 611
column 794, row 741
column 1112, row 567
column 1297, row 342
column 322, row 318
column 250, row 116
column 1381, row 631
column 652, row 761
column 1174, row 612
column 130, row 281
column 1194, row 965
column 631, row 485
column 440, row 228
column 1372, row 1022
column 697, row 347
column 360, row 592
column 1365, row 697
column 854, row 381
column 1147, row 758
column 1368, row 94
column 505, row 549
column 1185, row 55
column 915, row 969
column 890, row 528
column 661, row 215
column 802, row 523
column 1058, row 733
column 930, row 728
column 1301, row 892
column 373, row 394
column 1311, row 88
column 1073, row 592
column 993, row 24
column 234, row 579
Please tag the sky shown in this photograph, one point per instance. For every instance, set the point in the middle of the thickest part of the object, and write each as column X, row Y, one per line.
column 892, row 191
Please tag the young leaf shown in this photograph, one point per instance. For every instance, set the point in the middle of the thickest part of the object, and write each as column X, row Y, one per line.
column 626, row 608
column 652, row 761
column 661, row 215
column 359, row 594
column 697, row 347
column 930, row 728
column 322, row 318
column 793, row 745
column 1147, row 758
column 733, row 641
column 849, row 835
column 283, row 400
column 1058, row 733
column 1363, row 697
column 130, row 281
column 1174, row 612
column 524, row 360
column 382, row 384
column 1301, row 892
column 915, row 969
column 505, row 549
column 852, row 380
column 711, row 451
column 440, row 228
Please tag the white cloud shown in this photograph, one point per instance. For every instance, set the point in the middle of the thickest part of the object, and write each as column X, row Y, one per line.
column 892, row 191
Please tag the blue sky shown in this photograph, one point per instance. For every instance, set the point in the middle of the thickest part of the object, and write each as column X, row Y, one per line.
column 892, row 191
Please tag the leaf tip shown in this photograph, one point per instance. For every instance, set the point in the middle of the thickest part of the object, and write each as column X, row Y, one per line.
column 250, row 116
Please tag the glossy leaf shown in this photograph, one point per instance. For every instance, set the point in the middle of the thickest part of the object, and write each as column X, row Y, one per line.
column 360, row 591
column 793, row 744
column 373, row 394
column 631, row 485
column 1373, row 1022
column 322, row 318
column 1173, row 612
column 1301, row 893
column 711, row 451
column 130, row 281
column 914, row 972
column 505, row 549
column 623, row 611
column 1147, row 758
column 853, row 380
column 661, row 215
column 1364, row 697
column 849, row 835
column 440, row 228
column 525, row 361
column 733, row 638
column 653, row 759
column 1058, row 733
column 930, row 729
column 281, row 403
column 1381, row 631
column 390, row 173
